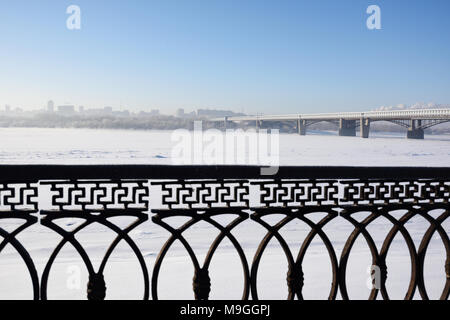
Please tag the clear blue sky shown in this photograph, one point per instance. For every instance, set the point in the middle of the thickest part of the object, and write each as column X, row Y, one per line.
column 256, row 56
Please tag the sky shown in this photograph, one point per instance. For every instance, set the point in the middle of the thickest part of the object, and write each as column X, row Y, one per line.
column 242, row 55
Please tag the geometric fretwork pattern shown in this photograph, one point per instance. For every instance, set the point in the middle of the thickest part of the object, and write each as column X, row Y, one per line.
column 18, row 196
column 98, row 195
column 297, row 192
column 288, row 193
column 204, row 193
column 385, row 192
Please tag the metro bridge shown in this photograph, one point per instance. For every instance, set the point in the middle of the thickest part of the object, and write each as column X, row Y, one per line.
column 415, row 121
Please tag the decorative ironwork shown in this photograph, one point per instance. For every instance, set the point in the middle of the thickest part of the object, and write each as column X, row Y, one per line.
column 201, row 280
column 298, row 192
column 397, row 195
column 204, row 193
column 17, row 195
column 96, row 286
column 385, row 192
column 18, row 200
column 360, row 228
column 95, row 201
column 98, row 195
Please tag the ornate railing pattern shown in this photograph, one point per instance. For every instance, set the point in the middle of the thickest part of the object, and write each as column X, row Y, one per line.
column 97, row 193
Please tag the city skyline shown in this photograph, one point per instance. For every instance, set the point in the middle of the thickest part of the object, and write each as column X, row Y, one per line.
column 298, row 57
column 68, row 108
column 193, row 111
column 51, row 106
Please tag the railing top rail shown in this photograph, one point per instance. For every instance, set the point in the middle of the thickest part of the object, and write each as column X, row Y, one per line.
column 76, row 172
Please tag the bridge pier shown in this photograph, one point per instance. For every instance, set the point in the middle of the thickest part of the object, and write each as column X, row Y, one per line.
column 415, row 131
column 364, row 127
column 301, row 127
column 347, row 128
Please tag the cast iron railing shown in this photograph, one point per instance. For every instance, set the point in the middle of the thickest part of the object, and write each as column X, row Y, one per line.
column 201, row 193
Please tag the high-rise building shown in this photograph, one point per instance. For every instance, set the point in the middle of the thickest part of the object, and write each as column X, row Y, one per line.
column 50, row 106
column 81, row 109
column 7, row 108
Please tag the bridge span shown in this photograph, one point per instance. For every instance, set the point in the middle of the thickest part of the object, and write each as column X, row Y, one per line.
column 415, row 121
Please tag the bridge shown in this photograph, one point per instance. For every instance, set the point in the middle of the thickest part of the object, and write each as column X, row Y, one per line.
column 415, row 121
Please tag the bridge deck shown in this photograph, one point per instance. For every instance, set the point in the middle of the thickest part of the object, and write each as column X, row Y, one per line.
column 418, row 114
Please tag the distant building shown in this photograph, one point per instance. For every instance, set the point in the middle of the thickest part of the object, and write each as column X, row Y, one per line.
column 81, row 109
column 67, row 109
column 151, row 113
column 50, row 106
column 7, row 108
column 105, row 111
column 180, row 113
column 217, row 113
column 95, row 111
column 124, row 113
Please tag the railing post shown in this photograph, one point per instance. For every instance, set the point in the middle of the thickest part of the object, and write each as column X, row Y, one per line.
column 96, row 288
column 201, row 284
column 295, row 280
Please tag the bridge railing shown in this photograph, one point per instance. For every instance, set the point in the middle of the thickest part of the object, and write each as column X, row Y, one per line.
column 40, row 196
column 416, row 114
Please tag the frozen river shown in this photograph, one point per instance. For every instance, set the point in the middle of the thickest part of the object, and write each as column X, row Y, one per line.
column 123, row 276
column 85, row 146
